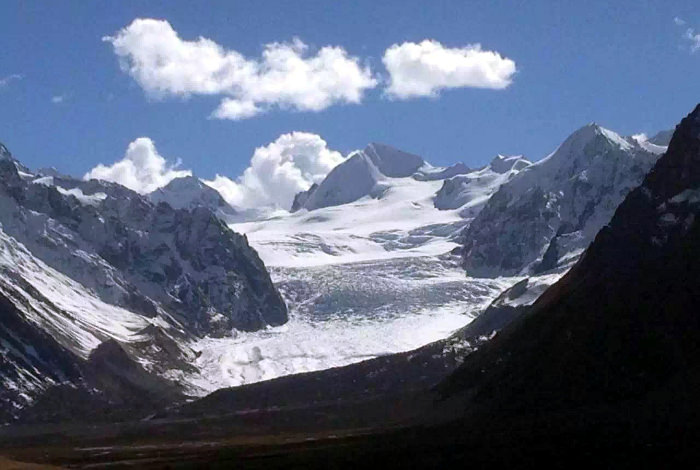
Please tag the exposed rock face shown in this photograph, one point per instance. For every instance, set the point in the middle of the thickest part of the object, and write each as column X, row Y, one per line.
column 30, row 360
column 621, row 330
column 547, row 214
column 662, row 138
column 186, row 261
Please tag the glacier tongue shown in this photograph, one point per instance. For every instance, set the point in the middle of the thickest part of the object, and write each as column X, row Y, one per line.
column 342, row 314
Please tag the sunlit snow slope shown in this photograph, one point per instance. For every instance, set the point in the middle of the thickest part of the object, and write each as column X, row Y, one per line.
column 402, row 222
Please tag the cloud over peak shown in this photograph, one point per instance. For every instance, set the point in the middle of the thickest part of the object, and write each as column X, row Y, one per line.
column 286, row 76
column 278, row 171
column 142, row 169
column 426, row 68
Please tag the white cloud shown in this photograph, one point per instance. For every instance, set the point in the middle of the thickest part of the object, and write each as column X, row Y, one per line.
column 58, row 99
column 5, row 81
column 236, row 109
column 679, row 21
column 142, row 168
column 286, row 76
column 425, row 68
column 278, row 171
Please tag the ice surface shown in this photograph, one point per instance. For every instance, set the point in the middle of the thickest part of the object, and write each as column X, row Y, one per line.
column 346, row 314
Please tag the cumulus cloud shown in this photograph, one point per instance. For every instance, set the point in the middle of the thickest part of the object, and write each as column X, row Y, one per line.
column 142, row 168
column 236, row 109
column 278, row 171
column 425, row 68
column 286, row 76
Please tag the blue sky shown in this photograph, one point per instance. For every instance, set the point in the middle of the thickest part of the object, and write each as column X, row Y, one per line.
column 626, row 65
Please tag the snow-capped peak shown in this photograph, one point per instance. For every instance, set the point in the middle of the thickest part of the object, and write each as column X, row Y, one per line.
column 356, row 177
column 643, row 141
column 186, row 184
column 189, row 192
column 593, row 133
column 360, row 175
column 471, row 190
column 393, row 162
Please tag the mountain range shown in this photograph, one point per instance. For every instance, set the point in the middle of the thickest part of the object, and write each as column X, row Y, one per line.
column 594, row 363
column 90, row 261
column 115, row 297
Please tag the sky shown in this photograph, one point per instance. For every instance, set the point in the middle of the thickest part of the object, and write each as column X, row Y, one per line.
column 273, row 94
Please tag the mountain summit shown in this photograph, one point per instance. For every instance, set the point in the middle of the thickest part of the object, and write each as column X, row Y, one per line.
column 393, row 162
column 189, row 192
column 360, row 175
column 550, row 211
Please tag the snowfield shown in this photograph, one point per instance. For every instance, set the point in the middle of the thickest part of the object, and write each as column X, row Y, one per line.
column 402, row 222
